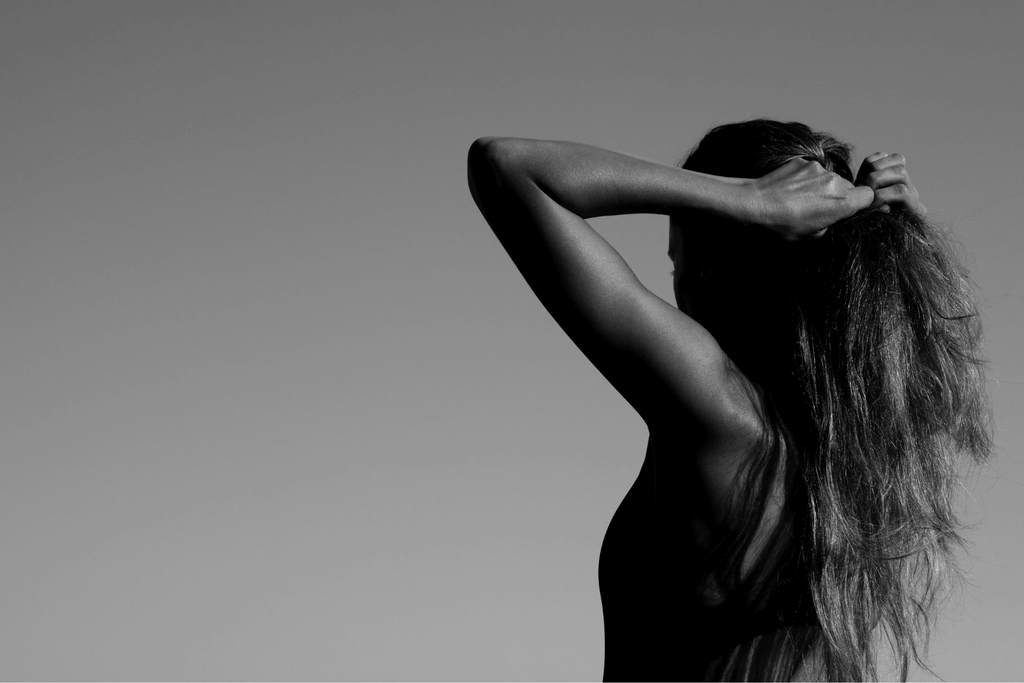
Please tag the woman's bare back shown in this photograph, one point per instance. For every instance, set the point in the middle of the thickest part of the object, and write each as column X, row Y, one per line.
column 667, row 615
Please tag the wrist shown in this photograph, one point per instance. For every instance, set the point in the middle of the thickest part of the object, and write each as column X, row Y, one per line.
column 746, row 202
column 766, row 210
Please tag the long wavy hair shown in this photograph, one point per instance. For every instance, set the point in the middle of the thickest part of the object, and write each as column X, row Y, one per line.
column 862, row 348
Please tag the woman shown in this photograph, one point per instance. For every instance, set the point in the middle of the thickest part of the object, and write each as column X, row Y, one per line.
column 807, row 402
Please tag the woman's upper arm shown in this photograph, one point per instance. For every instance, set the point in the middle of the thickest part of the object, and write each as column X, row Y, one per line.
column 663, row 362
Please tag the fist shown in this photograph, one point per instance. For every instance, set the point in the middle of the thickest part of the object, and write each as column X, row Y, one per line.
column 800, row 199
column 886, row 175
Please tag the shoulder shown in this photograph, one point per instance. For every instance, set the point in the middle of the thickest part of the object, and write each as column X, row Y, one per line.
column 691, row 385
column 715, row 457
column 733, row 420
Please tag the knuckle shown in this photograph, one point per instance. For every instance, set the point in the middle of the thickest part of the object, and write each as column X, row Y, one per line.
column 898, row 158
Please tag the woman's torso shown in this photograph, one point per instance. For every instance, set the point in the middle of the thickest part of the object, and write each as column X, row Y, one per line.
column 666, row 617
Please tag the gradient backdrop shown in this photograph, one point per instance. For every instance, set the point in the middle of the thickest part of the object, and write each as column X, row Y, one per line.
column 275, row 403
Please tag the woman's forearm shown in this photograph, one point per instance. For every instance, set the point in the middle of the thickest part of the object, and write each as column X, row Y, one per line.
column 590, row 181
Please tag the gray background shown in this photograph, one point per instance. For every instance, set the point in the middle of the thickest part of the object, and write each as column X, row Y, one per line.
column 275, row 403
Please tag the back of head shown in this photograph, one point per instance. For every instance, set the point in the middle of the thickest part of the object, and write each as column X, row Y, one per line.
column 864, row 346
column 742, row 278
column 751, row 149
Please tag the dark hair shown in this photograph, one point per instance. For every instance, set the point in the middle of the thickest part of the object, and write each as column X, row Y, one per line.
column 863, row 347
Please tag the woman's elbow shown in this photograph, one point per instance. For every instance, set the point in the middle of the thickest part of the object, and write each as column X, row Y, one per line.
column 479, row 158
column 494, row 156
column 484, row 170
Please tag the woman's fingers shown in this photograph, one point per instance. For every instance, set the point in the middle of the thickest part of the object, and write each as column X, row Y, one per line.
column 860, row 198
column 877, row 162
column 887, row 175
column 868, row 166
column 891, row 175
column 901, row 195
column 874, row 157
column 887, row 160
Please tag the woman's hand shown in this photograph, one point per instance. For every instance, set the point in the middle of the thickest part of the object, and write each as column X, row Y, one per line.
column 800, row 199
column 886, row 175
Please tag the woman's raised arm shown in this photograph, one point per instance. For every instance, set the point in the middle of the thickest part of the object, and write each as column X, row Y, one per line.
column 536, row 194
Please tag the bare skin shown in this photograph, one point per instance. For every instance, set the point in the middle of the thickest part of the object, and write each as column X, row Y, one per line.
column 537, row 195
column 886, row 174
